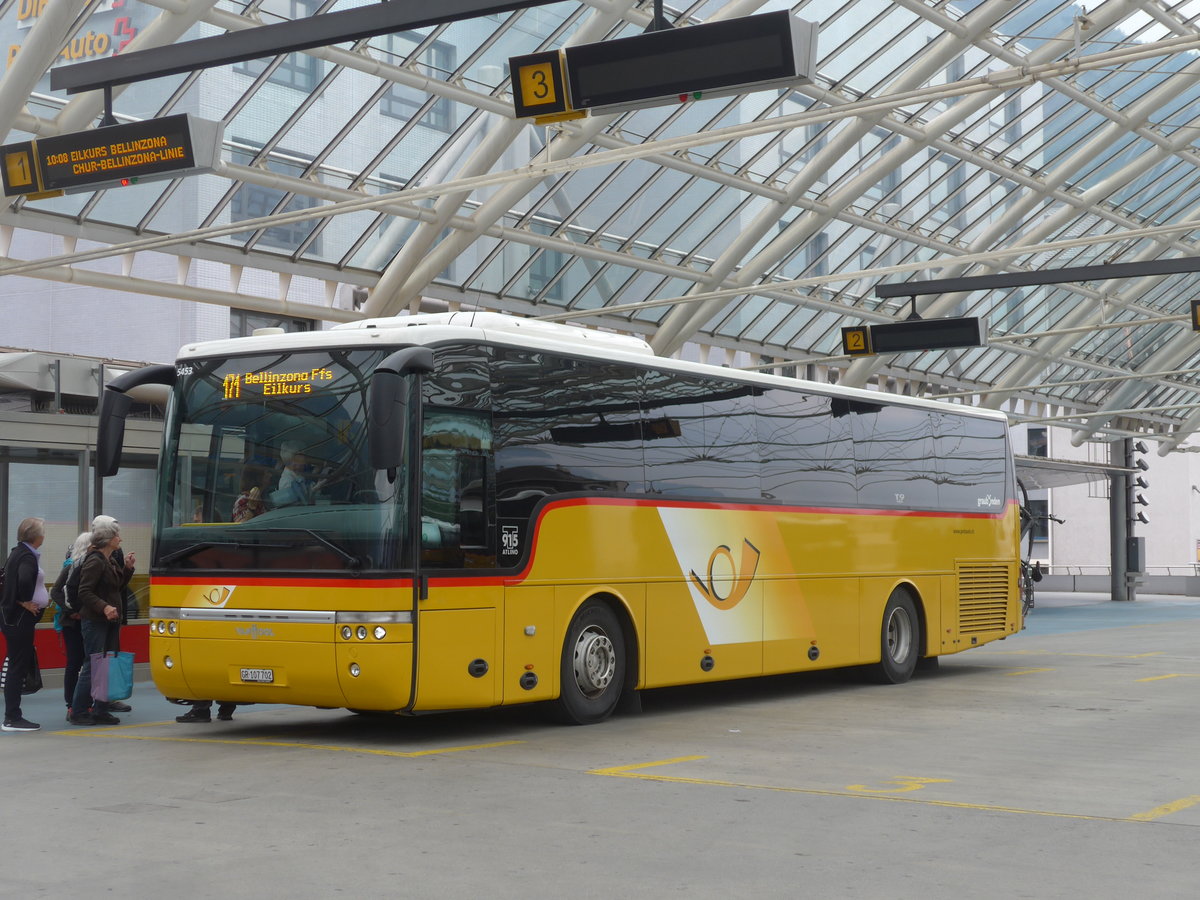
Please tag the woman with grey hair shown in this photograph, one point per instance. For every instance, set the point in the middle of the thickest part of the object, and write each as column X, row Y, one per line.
column 21, row 605
column 101, row 584
column 66, row 622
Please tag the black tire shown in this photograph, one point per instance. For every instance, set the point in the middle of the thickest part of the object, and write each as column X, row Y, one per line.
column 592, row 672
column 899, row 640
column 1025, row 586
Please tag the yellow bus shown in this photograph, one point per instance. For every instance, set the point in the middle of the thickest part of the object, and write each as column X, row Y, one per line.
column 468, row 510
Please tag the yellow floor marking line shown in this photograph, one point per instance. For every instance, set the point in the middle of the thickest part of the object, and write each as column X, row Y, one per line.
column 903, row 784
column 290, row 745
column 634, row 771
column 1029, row 671
column 1166, row 809
column 1085, row 655
column 1164, row 677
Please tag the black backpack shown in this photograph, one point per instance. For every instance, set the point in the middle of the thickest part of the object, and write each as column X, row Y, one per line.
column 70, row 599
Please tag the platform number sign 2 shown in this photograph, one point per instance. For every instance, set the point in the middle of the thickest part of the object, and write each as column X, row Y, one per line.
column 856, row 341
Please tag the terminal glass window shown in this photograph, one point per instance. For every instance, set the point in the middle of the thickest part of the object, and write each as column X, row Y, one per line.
column 297, row 70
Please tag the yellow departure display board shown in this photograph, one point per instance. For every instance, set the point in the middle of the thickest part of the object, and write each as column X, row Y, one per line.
column 110, row 156
column 116, row 153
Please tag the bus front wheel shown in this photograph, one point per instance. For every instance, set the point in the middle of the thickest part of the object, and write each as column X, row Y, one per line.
column 593, row 666
column 899, row 640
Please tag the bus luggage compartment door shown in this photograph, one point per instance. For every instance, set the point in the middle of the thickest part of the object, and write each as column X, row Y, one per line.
column 458, row 659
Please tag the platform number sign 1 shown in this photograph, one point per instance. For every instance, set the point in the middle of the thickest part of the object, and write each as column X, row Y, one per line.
column 20, row 172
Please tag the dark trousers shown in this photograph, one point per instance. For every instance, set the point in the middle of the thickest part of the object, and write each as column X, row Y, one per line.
column 72, row 636
column 19, row 638
column 98, row 637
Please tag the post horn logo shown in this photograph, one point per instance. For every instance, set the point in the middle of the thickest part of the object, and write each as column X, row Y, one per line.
column 218, row 596
column 233, row 387
column 721, row 591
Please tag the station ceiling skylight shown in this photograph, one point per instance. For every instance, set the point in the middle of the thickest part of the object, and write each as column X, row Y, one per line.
column 939, row 140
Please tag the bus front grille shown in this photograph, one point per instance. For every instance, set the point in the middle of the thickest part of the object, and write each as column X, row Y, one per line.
column 983, row 592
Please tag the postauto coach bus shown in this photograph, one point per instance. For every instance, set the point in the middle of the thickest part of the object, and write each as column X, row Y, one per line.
column 466, row 510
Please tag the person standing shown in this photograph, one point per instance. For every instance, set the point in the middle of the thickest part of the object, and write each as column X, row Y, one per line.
column 67, row 623
column 101, row 583
column 21, row 605
column 202, row 712
column 122, row 561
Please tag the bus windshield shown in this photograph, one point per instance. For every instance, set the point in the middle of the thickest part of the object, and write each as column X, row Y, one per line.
column 265, row 468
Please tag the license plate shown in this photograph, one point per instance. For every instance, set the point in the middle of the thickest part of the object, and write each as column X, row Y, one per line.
column 259, row 676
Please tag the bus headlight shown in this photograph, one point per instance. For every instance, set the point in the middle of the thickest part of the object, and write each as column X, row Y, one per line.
column 172, row 628
column 347, row 632
column 168, row 662
column 362, row 632
column 380, row 632
column 355, row 670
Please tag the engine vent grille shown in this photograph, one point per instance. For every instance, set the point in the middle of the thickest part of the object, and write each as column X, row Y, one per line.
column 983, row 592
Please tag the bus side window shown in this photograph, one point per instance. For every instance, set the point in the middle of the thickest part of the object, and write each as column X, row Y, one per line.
column 453, row 490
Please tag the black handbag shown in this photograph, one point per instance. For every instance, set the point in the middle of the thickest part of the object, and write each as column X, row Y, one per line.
column 33, row 677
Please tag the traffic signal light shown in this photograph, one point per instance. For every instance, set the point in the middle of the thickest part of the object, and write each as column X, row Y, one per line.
column 1134, row 459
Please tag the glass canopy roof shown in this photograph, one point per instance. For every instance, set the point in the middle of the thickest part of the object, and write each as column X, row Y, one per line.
column 938, row 140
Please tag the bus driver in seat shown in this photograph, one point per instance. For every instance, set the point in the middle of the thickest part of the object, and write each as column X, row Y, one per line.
column 295, row 487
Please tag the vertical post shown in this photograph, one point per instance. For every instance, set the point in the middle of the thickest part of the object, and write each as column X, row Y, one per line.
column 1118, row 522
column 84, row 513
column 659, row 21
column 93, row 459
column 56, row 369
column 5, row 500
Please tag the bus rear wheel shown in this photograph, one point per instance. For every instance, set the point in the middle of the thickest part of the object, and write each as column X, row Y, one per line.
column 592, row 671
column 899, row 640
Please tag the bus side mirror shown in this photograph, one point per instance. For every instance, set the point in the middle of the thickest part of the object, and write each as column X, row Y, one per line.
column 387, row 405
column 114, row 407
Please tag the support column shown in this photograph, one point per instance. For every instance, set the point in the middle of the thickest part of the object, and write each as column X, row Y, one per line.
column 1118, row 523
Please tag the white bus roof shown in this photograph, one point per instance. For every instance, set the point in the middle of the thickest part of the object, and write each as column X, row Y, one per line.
column 514, row 331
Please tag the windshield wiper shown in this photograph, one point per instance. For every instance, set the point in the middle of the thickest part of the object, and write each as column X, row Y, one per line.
column 349, row 558
column 187, row 551
column 352, row 561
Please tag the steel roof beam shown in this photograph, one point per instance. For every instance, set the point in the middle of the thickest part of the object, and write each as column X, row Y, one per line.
column 270, row 40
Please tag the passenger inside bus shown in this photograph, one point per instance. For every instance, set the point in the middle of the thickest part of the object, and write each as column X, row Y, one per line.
column 250, row 501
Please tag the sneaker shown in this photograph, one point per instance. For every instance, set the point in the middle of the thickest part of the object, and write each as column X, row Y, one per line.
column 225, row 713
column 105, row 718
column 118, row 706
column 20, row 725
column 81, row 719
column 194, row 716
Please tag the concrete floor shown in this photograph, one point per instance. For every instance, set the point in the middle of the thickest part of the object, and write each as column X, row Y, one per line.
column 1062, row 762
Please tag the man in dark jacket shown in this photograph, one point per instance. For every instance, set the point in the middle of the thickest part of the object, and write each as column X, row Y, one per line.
column 21, row 605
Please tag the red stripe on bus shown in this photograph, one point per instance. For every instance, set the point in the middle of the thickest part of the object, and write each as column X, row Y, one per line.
column 517, row 577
